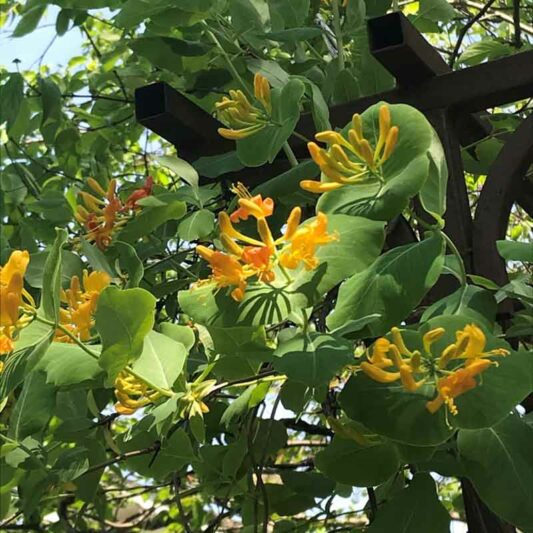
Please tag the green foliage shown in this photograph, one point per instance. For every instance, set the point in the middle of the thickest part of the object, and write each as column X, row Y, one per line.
column 150, row 377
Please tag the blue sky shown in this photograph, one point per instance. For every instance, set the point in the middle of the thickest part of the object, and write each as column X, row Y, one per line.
column 29, row 48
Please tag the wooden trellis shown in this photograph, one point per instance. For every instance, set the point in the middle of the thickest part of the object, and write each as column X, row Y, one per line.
column 452, row 101
column 449, row 99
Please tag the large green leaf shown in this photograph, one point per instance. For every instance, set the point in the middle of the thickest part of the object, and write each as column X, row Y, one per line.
column 359, row 243
column 71, row 265
column 49, row 308
column 123, row 319
column 197, row 225
column 287, row 15
column 416, row 508
column 161, row 360
column 499, row 463
column 515, row 251
column 392, row 287
column 312, row 358
column 34, row 406
column 68, row 364
column 150, row 219
column 404, row 173
column 346, row 461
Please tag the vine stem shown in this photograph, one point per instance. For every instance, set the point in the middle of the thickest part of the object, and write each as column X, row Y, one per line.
column 457, row 254
column 290, row 154
column 338, row 33
column 231, row 67
column 94, row 355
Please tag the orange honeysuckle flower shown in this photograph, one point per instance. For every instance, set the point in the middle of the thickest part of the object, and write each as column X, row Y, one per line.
column 101, row 216
column 361, row 164
column 455, row 384
column 304, row 243
column 138, row 194
column 227, row 271
column 250, row 205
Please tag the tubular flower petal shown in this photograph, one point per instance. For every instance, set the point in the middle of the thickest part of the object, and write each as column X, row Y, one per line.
column 292, row 223
column 248, row 205
column 408, row 381
column 6, row 345
column 455, row 384
column 352, row 160
column 471, row 342
column 380, row 351
column 138, row 194
column 378, row 374
column 431, row 336
column 262, row 92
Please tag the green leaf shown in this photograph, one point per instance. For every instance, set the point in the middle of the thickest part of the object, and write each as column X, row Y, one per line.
column 62, row 22
column 33, row 408
column 12, row 97
column 499, row 463
column 392, row 287
column 67, row 364
column 52, row 274
column 71, row 265
column 346, row 88
column 271, row 70
column 198, row 225
column 287, row 14
column 129, row 261
column 474, row 303
column 150, row 219
column 347, row 462
column 51, row 102
column 181, row 168
column 436, row 10
column 375, row 8
column 312, row 358
column 183, row 334
column 247, row 21
column 29, row 21
column 416, row 508
column 515, row 251
column 96, row 258
column 486, row 49
column 433, row 192
column 359, row 243
column 123, row 319
column 404, row 173
column 216, row 165
column 161, row 360
column 253, row 395
column 293, row 35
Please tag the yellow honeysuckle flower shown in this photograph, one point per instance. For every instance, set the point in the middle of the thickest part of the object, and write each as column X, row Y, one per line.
column 361, row 164
column 242, row 118
column 132, row 394
column 227, row 271
column 13, row 296
column 393, row 361
column 457, row 383
column 78, row 316
column 304, row 242
column 6, row 345
column 246, row 256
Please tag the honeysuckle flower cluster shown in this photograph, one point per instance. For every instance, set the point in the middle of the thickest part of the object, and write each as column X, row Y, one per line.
column 132, row 394
column 14, row 299
column 353, row 160
column 391, row 361
column 246, row 256
column 102, row 216
column 77, row 315
column 243, row 118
